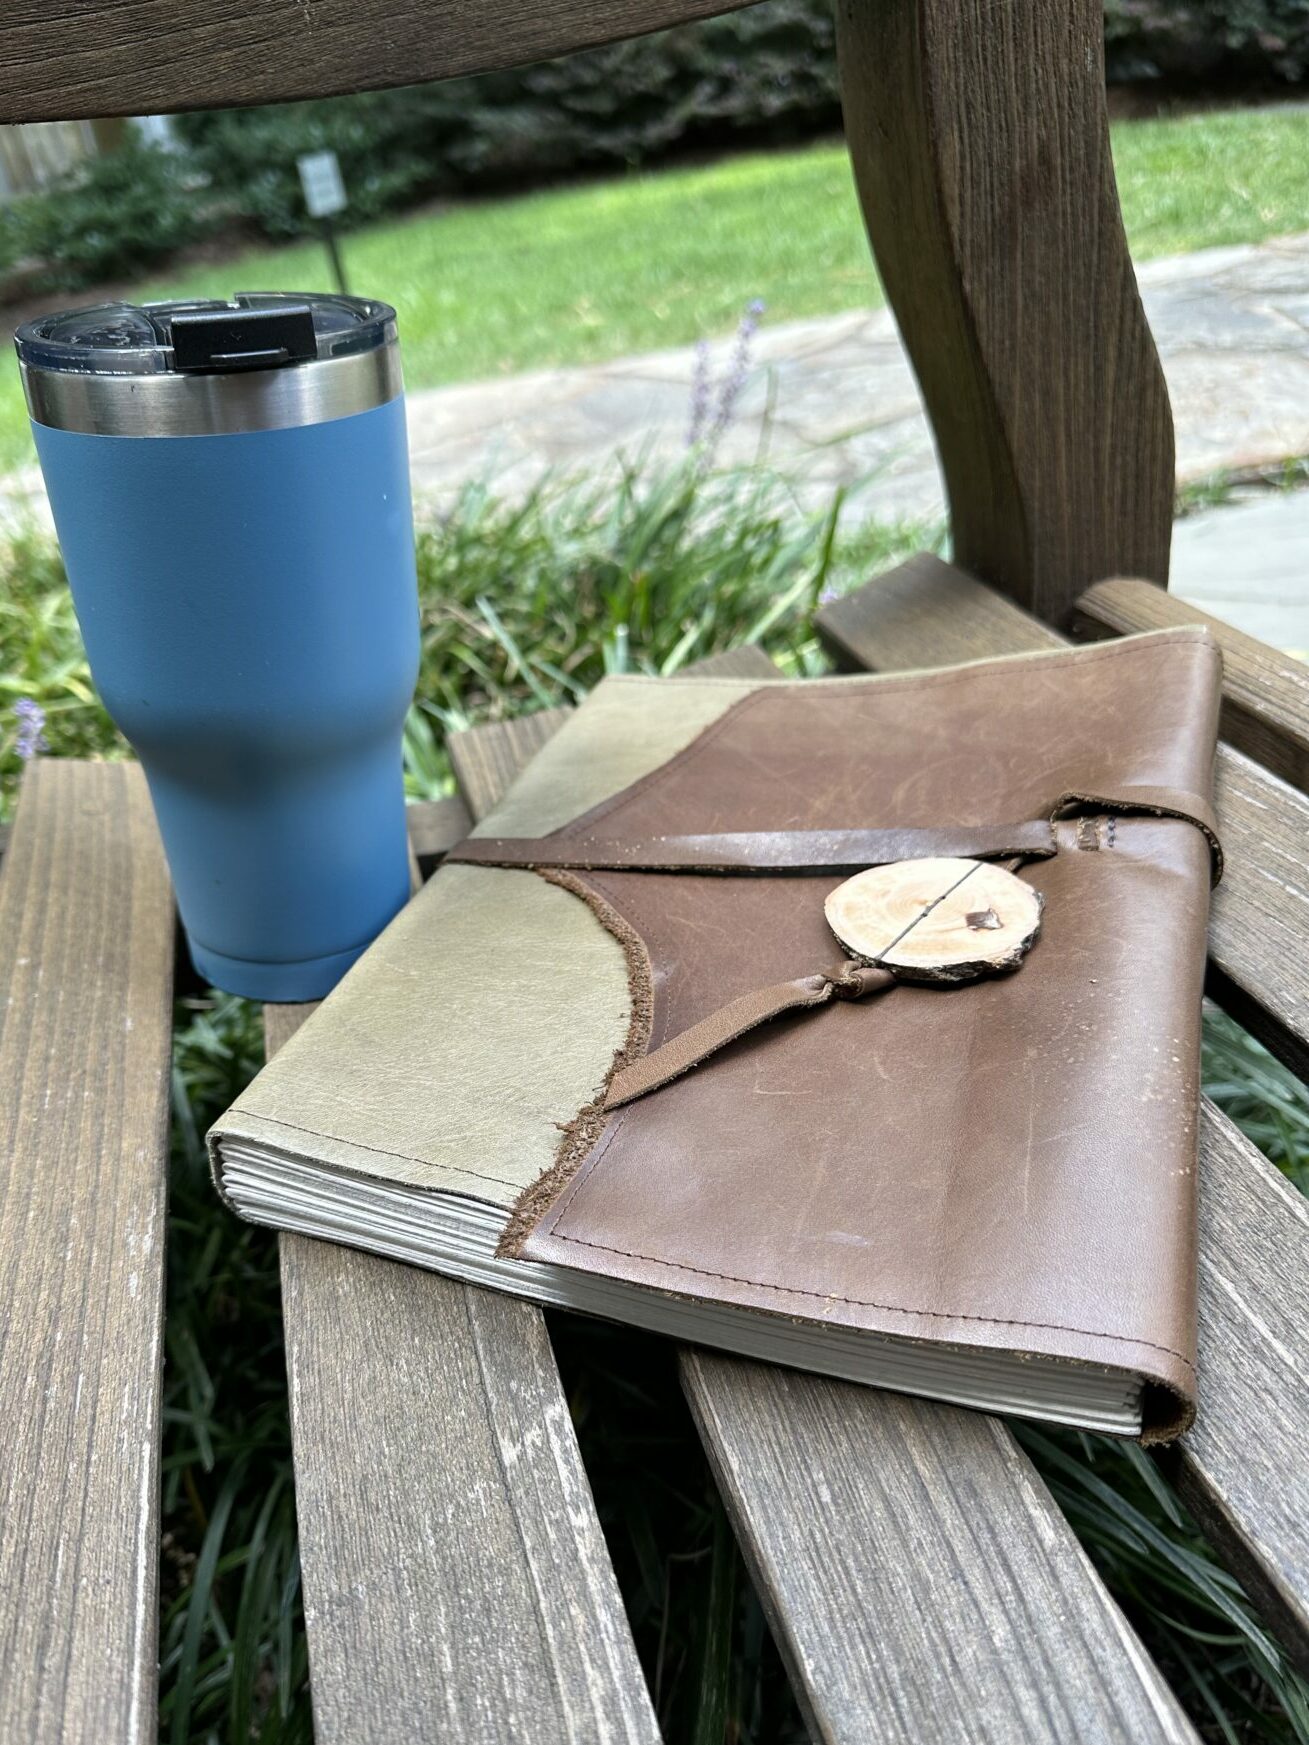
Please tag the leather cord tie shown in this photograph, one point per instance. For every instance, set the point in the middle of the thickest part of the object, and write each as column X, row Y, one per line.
column 761, row 852
column 849, row 981
column 832, row 852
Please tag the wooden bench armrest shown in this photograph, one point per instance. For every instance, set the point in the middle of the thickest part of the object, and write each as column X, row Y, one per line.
column 1265, row 692
column 158, row 56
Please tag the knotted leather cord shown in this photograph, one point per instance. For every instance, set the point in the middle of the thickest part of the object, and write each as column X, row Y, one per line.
column 851, row 981
column 813, row 852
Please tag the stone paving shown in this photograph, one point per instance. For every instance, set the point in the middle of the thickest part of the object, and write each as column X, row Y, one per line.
column 832, row 401
column 1248, row 562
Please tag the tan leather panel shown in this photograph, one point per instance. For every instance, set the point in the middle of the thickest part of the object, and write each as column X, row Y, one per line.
column 629, row 725
column 511, row 1042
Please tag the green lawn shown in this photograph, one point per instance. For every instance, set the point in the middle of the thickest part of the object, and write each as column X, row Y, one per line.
column 662, row 258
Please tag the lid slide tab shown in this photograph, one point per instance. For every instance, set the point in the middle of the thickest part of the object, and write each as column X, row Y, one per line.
column 214, row 340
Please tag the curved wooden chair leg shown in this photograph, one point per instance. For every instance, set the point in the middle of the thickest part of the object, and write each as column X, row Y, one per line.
column 980, row 142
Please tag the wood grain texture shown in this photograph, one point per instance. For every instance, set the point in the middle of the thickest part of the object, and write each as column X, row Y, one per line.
column 919, row 1578
column 936, row 921
column 486, row 759
column 457, row 1584
column 147, row 57
column 928, row 613
column 1259, row 919
column 747, row 662
column 86, row 945
column 855, row 1665
column 981, row 153
column 456, row 1580
column 1265, row 692
column 1242, row 1466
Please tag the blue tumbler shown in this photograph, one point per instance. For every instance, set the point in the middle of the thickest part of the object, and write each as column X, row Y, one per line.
column 230, row 486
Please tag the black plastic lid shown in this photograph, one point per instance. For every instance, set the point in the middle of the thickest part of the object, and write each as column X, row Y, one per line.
column 256, row 330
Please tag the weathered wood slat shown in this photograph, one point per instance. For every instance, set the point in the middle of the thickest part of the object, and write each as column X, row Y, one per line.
column 1259, row 921
column 1242, row 1467
column 154, row 56
column 1258, row 965
column 980, row 146
column 858, row 1511
column 433, row 826
column 86, row 946
column 1265, row 692
column 457, row 1584
column 917, row 1574
column 486, row 759
column 456, row 1580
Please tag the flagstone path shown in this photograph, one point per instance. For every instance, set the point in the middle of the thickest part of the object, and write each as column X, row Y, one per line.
column 832, row 401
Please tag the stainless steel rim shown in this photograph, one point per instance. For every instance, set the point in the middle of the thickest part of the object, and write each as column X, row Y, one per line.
column 195, row 405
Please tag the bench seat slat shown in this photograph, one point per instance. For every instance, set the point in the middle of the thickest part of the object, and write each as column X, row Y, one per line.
column 859, row 1602
column 1242, row 1467
column 456, row 1579
column 86, row 951
column 918, row 1575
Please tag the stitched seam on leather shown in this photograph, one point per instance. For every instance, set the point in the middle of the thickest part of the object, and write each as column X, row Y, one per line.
column 588, row 1167
column 868, row 1302
column 384, row 1151
column 940, row 680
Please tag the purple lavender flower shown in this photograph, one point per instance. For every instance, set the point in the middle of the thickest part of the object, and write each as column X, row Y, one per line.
column 707, row 425
column 738, row 370
column 699, row 394
column 31, row 720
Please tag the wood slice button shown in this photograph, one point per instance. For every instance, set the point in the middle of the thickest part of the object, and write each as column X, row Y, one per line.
column 936, row 920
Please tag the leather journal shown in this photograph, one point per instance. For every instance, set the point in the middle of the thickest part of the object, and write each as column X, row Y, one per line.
column 654, row 1043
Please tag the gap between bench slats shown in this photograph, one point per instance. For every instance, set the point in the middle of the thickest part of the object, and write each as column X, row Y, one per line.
column 1241, row 1467
column 457, row 1583
column 920, row 1580
column 86, row 951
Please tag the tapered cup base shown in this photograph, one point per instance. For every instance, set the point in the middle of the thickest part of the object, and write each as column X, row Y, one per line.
column 277, row 983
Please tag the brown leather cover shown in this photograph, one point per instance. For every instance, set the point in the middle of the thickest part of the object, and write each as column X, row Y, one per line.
column 1007, row 1164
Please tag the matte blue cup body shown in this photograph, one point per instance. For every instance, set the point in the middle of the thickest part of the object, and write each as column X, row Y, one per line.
column 249, row 607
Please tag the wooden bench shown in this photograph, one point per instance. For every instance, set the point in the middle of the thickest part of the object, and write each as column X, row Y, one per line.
column 919, row 1578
